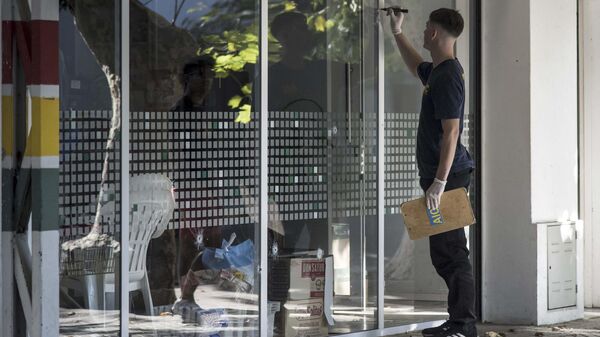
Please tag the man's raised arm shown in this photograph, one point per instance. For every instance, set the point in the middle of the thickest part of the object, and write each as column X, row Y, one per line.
column 410, row 56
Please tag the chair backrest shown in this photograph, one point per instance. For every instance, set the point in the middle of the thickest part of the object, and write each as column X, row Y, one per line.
column 151, row 208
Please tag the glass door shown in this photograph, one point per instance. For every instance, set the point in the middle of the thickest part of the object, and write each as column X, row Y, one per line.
column 414, row 292
column 194, row 76
column 322, row 166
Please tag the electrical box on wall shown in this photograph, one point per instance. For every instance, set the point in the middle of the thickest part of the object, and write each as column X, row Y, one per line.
column 562, row 266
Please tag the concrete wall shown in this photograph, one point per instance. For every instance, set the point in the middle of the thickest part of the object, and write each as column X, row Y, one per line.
column 554, row 112
column 529, row 150
column 509, row 243
column 554, row 141
column 590, row 137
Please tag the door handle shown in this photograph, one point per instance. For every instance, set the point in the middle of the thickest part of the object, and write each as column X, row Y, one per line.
column 349, row 100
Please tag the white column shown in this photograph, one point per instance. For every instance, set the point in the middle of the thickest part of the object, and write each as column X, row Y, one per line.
column 41, row 157
column 554, row 137
column 590, row 146
column 529, row 151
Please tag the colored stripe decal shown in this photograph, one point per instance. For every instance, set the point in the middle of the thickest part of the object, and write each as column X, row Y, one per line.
column 44, row 185
column 37, row 43
column 44, row 52
column 44, row 135
column 41, row 162
column 7, row 125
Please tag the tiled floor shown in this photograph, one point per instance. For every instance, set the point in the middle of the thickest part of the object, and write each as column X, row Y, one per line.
column 587, row 327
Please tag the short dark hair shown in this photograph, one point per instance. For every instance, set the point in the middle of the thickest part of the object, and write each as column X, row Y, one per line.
column 285, row 19
column 194, row 65
column 450, row 20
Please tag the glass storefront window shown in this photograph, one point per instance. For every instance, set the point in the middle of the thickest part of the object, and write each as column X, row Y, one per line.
column 194, row 169
column 89, row 170
column 193, row 93
column 322, row 166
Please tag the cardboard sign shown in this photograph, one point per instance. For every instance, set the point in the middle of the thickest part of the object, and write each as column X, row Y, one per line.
column 307, row 278
column 455, row 212
column 304, row 318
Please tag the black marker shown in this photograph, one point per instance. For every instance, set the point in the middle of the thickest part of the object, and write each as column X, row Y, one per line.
column 395, row 9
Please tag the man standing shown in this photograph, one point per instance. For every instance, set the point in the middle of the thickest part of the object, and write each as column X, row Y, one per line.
column 443, row 162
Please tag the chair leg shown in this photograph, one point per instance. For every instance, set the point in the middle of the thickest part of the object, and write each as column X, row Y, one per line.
column 94, row 292
column 145, row 288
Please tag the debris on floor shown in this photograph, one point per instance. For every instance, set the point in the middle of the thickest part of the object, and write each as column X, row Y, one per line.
column 494, row 334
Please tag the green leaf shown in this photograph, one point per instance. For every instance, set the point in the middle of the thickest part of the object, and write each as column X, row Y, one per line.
column 320, row 23
column 251, row 37
column 231, row 46
column 247, row 89
column 249, row 55
column 220, row 73
column 289, row 6
column 234, row 101
column 206, row 51
column 244, row 116
column 223, row 60
column 329, row 24
column 236, row 63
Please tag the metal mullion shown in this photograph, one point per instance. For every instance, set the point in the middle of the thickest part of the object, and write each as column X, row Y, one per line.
column 264, row 166
column 380, row 174
column 124, row 67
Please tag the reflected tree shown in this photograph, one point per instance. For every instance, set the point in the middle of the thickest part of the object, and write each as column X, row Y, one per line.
column 227, row 30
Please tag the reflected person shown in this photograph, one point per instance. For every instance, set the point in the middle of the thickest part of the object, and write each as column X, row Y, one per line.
column 194, row 265
column 295, row 82
column 298, row 83
column 196, row 79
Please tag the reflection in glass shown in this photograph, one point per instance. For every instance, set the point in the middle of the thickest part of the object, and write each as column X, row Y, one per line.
column 322, row 167
column 192, row 123
column 89, row 180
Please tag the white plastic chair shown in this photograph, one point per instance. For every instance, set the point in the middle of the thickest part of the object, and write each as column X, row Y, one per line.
column 152, row 203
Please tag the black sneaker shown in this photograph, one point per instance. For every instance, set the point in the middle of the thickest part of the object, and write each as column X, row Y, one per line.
column 457, row 330
column 430, row 332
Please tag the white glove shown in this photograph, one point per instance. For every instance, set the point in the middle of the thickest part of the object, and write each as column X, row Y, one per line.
column 395, row 21
column 434, row 193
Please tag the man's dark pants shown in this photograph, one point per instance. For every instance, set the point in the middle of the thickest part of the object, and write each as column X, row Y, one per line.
column 450, row 257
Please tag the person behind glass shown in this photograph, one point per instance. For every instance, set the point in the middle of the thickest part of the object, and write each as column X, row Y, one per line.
column 196, row 78
column 443, row 162
column 296, row 83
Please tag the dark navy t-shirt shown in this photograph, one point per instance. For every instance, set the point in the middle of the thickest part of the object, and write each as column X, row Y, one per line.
column 443, row 98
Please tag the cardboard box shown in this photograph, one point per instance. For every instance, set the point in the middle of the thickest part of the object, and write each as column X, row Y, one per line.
column 455, row 212
column 307, row 278
column 312, row 278
column 305, row 318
